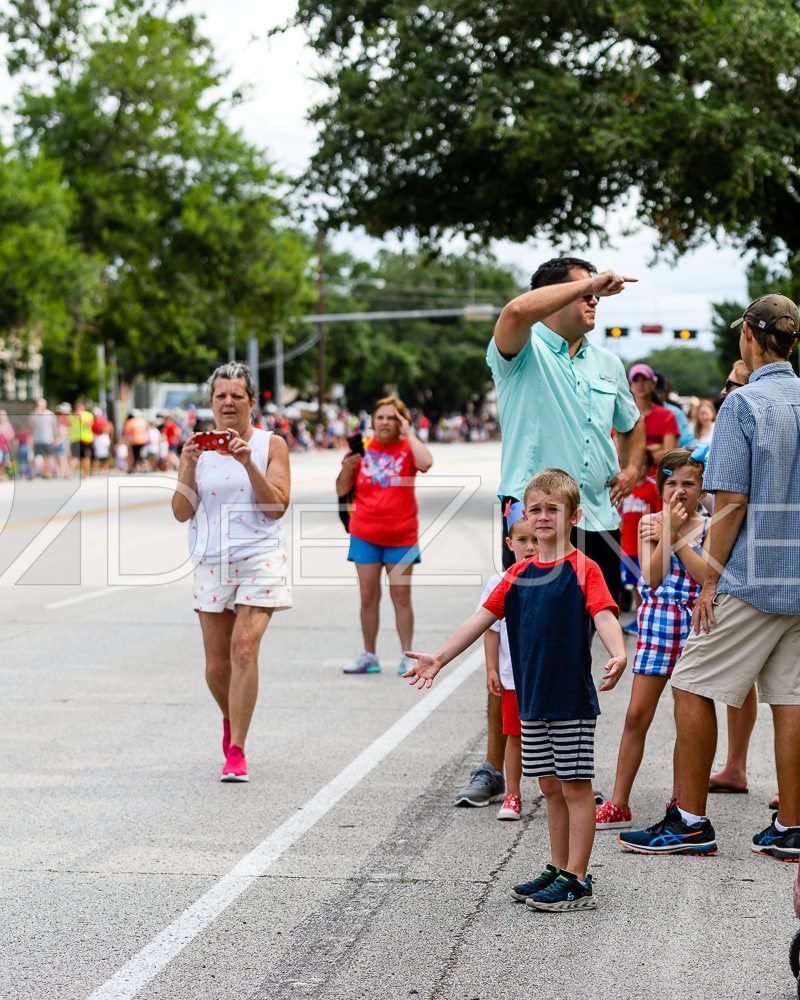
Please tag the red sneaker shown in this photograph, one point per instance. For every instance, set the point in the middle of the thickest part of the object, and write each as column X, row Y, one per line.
column 235, row 766
column 511, row 807
column 611, row 817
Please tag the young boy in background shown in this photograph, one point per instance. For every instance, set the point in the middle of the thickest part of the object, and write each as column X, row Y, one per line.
column 549, row 602
column 499, row 673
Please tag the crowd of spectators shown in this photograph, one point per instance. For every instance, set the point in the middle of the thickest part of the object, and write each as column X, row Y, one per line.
column 55, row 443
column 334, row 430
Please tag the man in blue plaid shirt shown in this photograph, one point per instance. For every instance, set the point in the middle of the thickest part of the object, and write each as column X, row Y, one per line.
column 747, row 618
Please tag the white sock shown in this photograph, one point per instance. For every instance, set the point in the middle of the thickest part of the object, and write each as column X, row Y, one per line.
column 690, row 818
column 779, row 826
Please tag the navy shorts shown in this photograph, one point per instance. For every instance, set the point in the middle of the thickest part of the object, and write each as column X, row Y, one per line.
column 630, row 571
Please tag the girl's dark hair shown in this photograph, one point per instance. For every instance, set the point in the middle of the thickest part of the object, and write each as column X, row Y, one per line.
column 674, row 459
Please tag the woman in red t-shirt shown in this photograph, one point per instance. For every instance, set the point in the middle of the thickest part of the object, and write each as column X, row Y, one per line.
column 383, row 525
column 660, row 424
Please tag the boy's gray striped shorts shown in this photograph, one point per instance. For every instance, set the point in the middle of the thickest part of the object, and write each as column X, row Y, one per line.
column 563, row 747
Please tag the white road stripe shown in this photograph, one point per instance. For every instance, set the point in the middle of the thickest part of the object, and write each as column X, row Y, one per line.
column 87, row 596
column 145, row 965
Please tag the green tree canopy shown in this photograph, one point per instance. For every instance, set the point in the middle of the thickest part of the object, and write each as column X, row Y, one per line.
column 184, row 212
column 539, row 117
column 761, row 278
column 48, row 284
column 689, row 370
column 436, row 365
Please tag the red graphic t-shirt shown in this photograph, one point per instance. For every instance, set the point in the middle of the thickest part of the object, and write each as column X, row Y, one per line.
column 643, row 499
column 385, row 510
column 658, row 422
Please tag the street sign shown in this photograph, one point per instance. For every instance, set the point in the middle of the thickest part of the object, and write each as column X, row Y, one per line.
column 652, row 328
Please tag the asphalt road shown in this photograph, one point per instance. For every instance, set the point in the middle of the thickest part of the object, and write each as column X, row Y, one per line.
column 342, row 870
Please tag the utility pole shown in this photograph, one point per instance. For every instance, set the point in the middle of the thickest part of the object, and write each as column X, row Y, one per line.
column 116, row 406
column 102, row 379
column 277, row 392
column 252, row 361
column 321, row 324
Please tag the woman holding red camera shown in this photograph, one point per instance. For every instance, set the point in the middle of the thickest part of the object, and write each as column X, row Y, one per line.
column 234, row 491
column 383, row 525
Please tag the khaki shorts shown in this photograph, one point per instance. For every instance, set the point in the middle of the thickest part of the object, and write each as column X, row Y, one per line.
column 746, row 645
column 260, row 581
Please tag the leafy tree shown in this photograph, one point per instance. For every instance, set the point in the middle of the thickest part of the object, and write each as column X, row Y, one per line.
column 436, row 365
column 538, row 116
column 48, row 285
column 690, row 371
column 761, row 278
column 184, row 212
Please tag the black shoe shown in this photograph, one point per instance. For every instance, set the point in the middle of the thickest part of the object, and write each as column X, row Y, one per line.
column 784, row 846
column 566, row 892
column 487, row 785
column 672, row 836
column 525, row 890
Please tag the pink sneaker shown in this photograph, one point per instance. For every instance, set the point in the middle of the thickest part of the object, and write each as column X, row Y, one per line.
column 226, row 737
column 611, row 817
column 511, row 807
column 235, row 766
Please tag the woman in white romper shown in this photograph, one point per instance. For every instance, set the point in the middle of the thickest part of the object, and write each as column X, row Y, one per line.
column 234, row 498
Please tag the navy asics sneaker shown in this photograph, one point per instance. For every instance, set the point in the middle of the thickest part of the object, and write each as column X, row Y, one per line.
column 525, row 890
column 671, row 836
column 784, row 846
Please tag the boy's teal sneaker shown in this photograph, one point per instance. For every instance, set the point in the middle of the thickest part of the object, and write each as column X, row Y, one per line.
column 525, row 890
column 565, row 892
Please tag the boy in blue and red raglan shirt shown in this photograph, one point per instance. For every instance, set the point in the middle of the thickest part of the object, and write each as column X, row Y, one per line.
column 549, row 602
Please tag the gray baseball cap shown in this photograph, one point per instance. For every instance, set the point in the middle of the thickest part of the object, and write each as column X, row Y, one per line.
column 763, row 312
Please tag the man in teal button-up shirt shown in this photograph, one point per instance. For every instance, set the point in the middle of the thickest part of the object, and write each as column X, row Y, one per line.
column 559, row 396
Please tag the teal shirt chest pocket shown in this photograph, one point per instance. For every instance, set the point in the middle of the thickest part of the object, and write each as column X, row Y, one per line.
column 602, row 400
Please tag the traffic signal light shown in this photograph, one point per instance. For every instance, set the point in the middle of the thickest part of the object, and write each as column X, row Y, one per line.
column 616, row 331
column 684, row 334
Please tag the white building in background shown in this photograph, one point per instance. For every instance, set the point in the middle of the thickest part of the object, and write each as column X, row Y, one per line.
column 20, row 367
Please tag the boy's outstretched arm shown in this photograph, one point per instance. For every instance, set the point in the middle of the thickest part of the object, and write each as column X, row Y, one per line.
column 610, row 632
column 427, row 666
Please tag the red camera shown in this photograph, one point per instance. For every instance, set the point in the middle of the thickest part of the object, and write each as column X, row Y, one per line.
column 213, row 440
